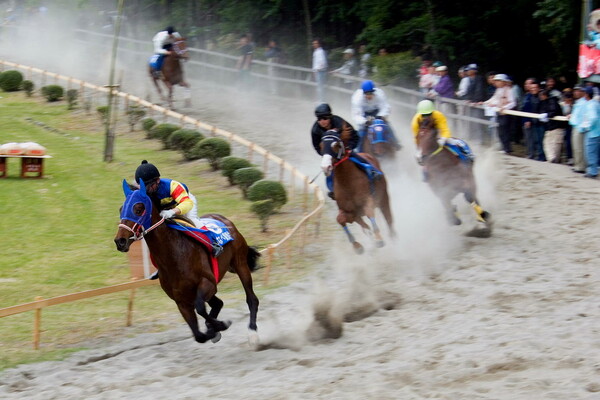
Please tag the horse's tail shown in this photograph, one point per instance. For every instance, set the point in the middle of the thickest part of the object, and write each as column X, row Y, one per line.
column 252, row 259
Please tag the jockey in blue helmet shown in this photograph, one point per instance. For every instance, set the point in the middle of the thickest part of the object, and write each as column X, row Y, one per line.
column 370, row 102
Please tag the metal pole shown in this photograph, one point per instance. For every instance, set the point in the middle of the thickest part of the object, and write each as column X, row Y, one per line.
column 109, row 132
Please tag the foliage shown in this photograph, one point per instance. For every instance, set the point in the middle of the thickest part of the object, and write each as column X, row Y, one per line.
column 266, row 189
column 183, row 139
column 134, row 114
column 147, row 124
column 53, row 92
column 72, row 95
column 229, row 164
column 103, row 113
column 10, row 81
column 212, row 149
column 245, row 177
column 263, row 209
column 397, row 68
column 162, row 132
column 28, row 87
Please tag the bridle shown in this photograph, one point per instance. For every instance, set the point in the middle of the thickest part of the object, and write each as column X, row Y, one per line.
column 342, row 155
column 138, row 230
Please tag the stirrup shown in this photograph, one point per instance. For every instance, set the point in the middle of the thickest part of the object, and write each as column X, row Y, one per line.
column 331, row 195
column 153, row 276
column 217, row 250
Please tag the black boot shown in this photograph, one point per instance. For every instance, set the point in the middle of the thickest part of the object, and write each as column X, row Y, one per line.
column 331, row 195
column 153, row 276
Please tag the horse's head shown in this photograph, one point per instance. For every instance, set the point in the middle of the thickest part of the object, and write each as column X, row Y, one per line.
column 180, row 48
column 427, row 135
column 332, row 149
column 136, row 216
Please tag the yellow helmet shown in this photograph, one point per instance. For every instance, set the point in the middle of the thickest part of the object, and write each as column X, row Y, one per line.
column 425, row 107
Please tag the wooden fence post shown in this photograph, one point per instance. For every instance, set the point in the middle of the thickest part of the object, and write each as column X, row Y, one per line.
column 37, row 323
column 130, row 305
column 270, row 251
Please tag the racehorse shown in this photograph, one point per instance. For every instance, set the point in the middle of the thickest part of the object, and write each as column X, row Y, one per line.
column 376, row 141
column 355, row 194
column 448, row 175
column 172, row 73
column 188, row 273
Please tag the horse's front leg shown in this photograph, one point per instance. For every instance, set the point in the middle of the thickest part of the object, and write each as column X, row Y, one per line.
column 213, row 325
column 187, row 311
column 343, row 219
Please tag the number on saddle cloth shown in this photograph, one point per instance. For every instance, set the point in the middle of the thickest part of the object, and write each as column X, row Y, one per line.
column 461, row 149
column 216, row 230
column 378, row 131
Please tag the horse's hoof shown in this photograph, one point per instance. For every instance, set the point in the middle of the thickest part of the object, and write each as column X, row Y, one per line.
column 379, row 244
column 253, row 339
column 358, row 249
column 202, row 338
column 216, row 338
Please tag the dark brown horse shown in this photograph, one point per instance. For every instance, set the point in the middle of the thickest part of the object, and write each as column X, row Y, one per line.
column 376, row 141
column 356, row 196
column 184, row 265
column 172, row 73
column 448, row 175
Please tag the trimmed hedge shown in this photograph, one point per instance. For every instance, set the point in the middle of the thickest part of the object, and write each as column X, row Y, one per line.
column 183, row 139
column 53, row 92
column 245, row 177
column 72, row 95
column 230, row 164
column 147, row 124
column 263, row 209
column 10, row 81
column 212, row 149
column 134, row 115
column 162, row 132
column 27, row 86
column 266, row 189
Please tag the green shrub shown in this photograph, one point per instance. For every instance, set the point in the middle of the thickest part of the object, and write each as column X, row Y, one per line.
column 134, row 115
column 27, row 86
column 263, row 209
column 266, row 189
column 229, row 164
column 10, row 81
column 147, row 124
column 103, row 112
column 53, row 92
column 162, row 132
column 245, row 177
column 183, row 139
column 72, row 95
column 212, row 149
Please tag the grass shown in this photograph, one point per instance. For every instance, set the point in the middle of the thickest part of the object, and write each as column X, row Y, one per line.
column 57, row 232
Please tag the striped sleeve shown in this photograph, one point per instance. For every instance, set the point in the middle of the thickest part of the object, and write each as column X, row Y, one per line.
column 180, row 195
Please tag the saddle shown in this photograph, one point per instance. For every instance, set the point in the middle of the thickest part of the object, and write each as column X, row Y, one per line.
column 461, row 149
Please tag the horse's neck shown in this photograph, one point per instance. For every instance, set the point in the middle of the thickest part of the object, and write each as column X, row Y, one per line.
column 429, row 145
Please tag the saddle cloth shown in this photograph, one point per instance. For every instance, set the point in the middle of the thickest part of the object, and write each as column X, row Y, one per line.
column 461, row 150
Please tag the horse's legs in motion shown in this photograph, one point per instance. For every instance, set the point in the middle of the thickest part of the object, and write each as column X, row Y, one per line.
column 187, row 311
column 370, row 213
column 155, row 80
column 482, row 215
column 451, row 212
column 187, row 93
column 241, row 267
column 207, row 290
column 384, row 206
column 343, row 220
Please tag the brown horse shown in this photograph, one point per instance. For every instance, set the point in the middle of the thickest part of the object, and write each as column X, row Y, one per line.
column 376, row 142
column 184, row 265
column 447, row 175
column 356, row 196
column 172, row 73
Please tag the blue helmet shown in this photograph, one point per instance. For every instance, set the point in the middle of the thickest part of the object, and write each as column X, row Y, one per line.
column 368, row 86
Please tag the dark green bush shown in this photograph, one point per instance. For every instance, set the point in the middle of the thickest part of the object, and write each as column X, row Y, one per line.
column 27, row 86
column 212, row 149
column 229, row 164
column 183, row 139
column 266, row 189
column 147, row 124
column 245, row 177
column 396, row 69
column 10, row 81
column 72, row 95
column 53, row 92
column 103, row 112
column 263, row 209
column 134, row 115
column 162, row 132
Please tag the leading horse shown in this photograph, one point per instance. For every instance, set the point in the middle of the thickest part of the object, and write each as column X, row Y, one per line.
column 172, row 73
column 376, row 140
column 448, row 175
column 355, row 194
column 186, row 269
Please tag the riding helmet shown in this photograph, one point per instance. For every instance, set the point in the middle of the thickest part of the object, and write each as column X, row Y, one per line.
column 368, row 86
column 170, row 29
column 146, row 172
column 323, row 110
column 425, row 107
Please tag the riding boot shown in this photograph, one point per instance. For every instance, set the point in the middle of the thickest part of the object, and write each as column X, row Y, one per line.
column 331, row 195
column 153, row 276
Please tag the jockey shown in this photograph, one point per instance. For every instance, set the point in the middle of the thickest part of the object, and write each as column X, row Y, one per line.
column 175, row 198
column 326, row 121
column 370, row 102
column 163, row 41
column 426, row 108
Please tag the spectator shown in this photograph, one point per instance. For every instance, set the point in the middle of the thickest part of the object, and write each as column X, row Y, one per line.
column 566, row 104
column 554, row 130
column 532, row 127
column 463, row 84
column 319, row 67
column 590, row 126
column 245, row 60
column 576, row 136
column 491, row 86
column 427, row 81
column 365, row 62
column 273, row 55
column 476, row 91
column 444, row 88
column 502, row 100
column 551, row 88
column 348, row 68
column 516, row 133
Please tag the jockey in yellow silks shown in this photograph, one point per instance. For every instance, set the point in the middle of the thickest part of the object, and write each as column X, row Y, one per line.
column 425, row 108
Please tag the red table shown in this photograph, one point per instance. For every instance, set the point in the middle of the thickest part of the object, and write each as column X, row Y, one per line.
column 31, row 166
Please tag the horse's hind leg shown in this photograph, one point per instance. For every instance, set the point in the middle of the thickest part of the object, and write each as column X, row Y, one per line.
column 187, row 93
column 482, row 215
column 387, row 213
column 240, row 264
column 187, row 311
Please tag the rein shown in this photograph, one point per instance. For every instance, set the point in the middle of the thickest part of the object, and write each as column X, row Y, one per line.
column 137, row 228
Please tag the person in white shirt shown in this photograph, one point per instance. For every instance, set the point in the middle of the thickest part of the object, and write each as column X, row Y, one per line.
column 368, row 103
column 319, row 67
column 163, row 41
column 503, row 99
column 463, row 85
